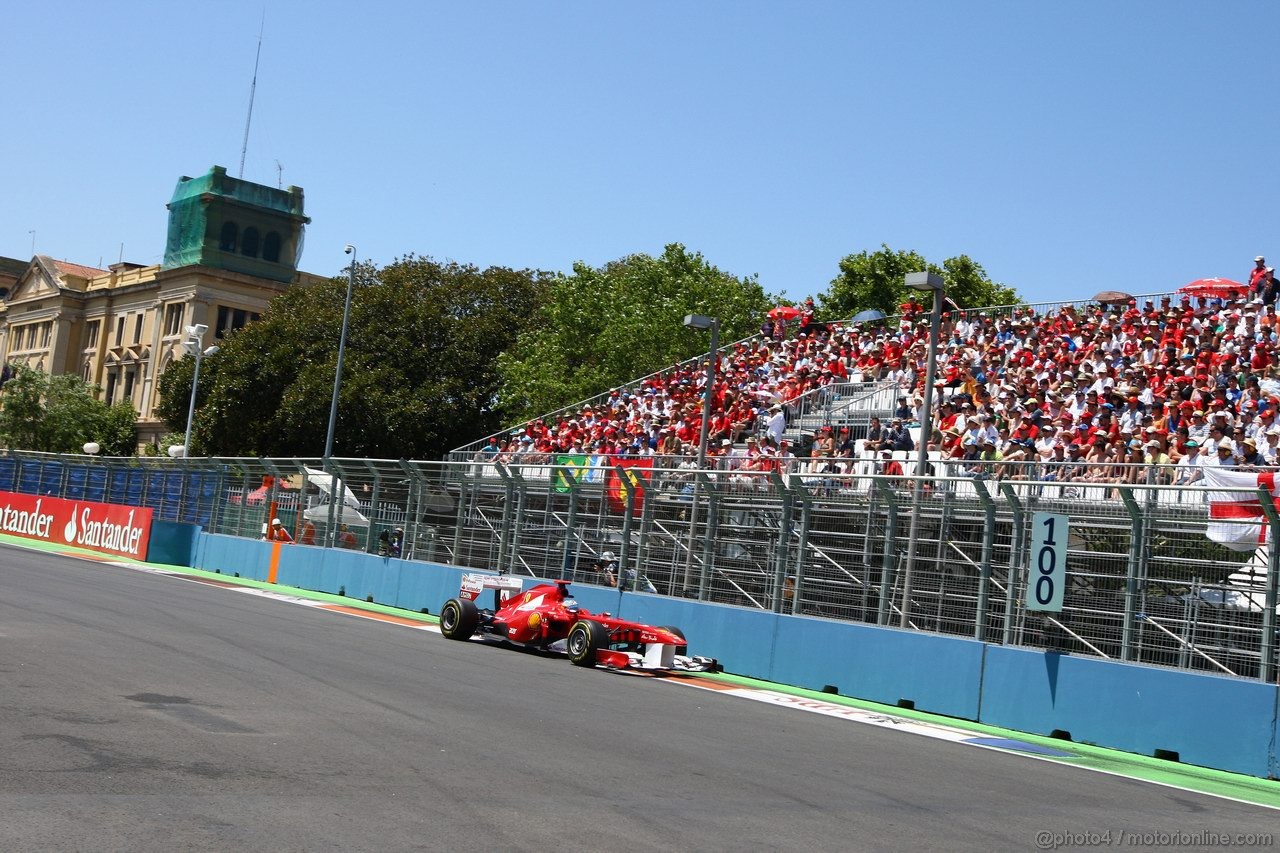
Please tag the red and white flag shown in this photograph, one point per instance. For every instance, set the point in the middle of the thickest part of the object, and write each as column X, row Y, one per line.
column 1235, row 517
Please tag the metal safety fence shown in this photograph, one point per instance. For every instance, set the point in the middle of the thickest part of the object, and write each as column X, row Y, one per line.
column 1144, row 581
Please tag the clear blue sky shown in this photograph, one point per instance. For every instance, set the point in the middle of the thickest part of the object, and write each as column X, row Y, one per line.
column 1067, row 147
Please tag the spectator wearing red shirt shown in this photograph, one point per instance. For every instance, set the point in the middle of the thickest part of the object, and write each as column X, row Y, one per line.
column 890, row 466
column 277, row 532
column 1257, row 274
column 1261, row 358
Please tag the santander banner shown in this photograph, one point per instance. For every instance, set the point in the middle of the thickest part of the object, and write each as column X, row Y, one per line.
column 111, row 529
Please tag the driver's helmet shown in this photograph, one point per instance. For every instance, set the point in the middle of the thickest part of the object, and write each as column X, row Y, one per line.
column 570, row 604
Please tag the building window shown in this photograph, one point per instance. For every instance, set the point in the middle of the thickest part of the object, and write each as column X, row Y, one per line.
column 271, row 247
column 120, row 331
column 46, row 333
column 227, row 240
column 87, row 371
column 91, row 334
column 137, row 330
column 173, row 318
column 128, row 385
column 111, row 387
column 249, row 245
column 230, row 319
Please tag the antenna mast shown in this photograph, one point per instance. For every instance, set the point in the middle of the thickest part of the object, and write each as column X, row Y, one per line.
column 253, row 88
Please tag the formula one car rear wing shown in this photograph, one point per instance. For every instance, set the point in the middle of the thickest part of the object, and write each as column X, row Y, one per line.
column 504, row 586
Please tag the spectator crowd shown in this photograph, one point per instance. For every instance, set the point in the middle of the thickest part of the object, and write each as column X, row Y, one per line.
column 1099, row 393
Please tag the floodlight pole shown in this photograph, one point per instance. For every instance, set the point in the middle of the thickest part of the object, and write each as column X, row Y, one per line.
column 195, row 334
column 706, row 397
column 336, row 484
column 701, row 321
column 925, row 281
column 342, row 347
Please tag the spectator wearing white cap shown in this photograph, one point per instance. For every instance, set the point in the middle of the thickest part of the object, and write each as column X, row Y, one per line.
column 1046, row 440
column 1270, row 450
column 1257, row 274
column 1225, row 456
column 777, row 423
column 888, row 465
column 277, row 532
column 1154, row 454
column 606, row 565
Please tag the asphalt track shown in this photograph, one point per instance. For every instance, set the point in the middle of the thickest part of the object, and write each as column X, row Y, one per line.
column 141, row 712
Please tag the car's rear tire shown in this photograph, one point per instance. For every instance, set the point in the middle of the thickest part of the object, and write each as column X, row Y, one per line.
column 683, row 648
column 586, row 637
column 459, row 618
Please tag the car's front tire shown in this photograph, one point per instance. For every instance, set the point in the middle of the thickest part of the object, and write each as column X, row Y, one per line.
column 459, row 618
column 683, row 648
column 586, row 637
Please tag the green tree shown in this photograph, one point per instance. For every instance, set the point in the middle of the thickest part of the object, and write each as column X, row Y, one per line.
column 602, row 327
column 876, row 280
column 419, row 373
column 970, row 287
column 60, row 414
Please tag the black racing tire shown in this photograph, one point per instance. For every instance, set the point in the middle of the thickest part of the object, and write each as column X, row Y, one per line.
column 459, row 618
column 681, row 649
column 586, row 637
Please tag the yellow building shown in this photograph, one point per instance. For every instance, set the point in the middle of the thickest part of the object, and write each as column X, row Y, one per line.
column 232, row 247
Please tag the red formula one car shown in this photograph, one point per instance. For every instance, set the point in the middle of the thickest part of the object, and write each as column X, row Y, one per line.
column 546, row 617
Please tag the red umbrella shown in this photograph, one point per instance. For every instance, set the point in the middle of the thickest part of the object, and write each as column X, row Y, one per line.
column 786, row 312
column 1207, row 288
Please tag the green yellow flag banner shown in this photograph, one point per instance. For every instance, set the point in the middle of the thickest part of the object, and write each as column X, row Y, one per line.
column 576, row 462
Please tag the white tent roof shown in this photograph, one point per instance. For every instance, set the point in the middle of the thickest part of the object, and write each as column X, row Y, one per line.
column 342, row 515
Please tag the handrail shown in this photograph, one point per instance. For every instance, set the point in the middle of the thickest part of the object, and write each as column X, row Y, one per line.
column 1188, row 646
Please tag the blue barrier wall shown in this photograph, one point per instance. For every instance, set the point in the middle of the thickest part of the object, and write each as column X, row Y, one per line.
column 1212, row 721
column 171, row 542
column 245, row 558
column 1207, row 719
column 935, row 673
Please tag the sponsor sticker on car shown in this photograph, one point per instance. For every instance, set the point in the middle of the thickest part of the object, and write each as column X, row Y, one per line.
column 474, row 583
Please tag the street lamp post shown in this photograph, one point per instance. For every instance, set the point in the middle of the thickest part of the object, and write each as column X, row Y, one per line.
column 701, row 321
column 928, row 282
column 194, row 345
column 336, row 484
column 342, row 348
